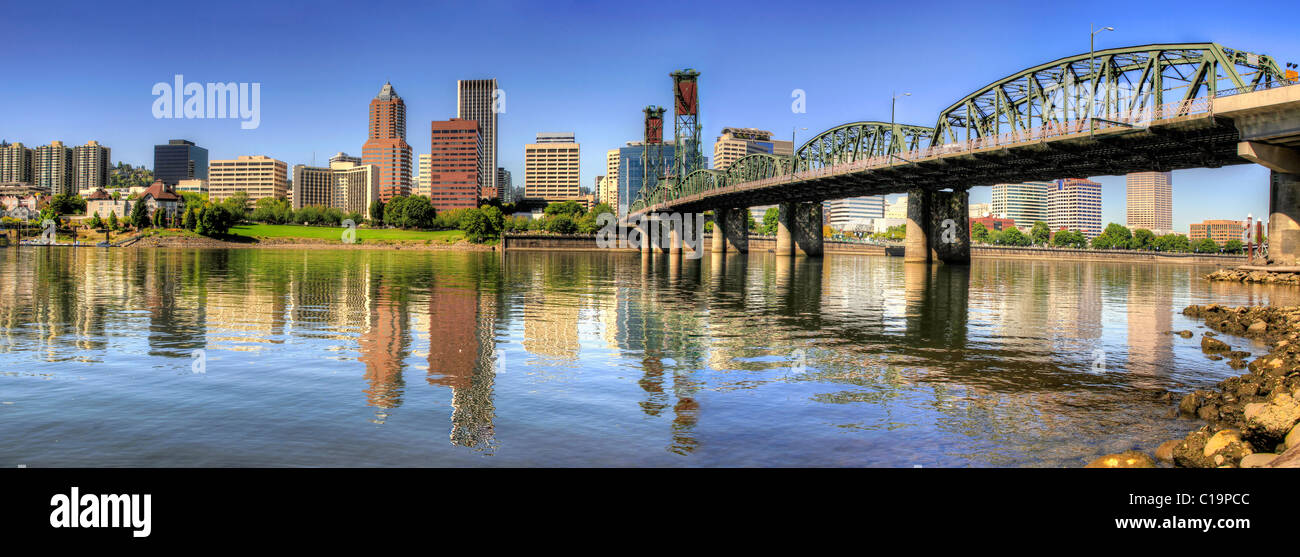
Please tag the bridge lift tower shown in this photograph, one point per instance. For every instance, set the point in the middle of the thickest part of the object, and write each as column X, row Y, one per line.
column 687, row 152
column 652, row 152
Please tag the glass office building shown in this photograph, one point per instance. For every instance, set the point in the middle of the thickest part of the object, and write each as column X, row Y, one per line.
column 631, row 172
column 179, row 160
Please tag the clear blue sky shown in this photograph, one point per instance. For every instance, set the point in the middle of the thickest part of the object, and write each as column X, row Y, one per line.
column 80, row 71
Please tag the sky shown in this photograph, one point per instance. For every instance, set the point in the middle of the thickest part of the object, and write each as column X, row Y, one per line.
column 78, row 71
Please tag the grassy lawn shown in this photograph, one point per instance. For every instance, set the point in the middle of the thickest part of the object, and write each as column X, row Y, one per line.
column 335, row 233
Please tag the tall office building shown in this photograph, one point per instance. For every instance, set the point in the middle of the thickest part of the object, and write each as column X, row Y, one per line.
column 455, row 177
column 474, row 102
column 344, row 157
column 345, row 185
column 259, row 176
column 90, row 166
column 504, row 185
column 16, row 164
column 630, row 173
column 735, row 143
column 1023, row 203
column 897, row 209
column 551, row 168
column 611, row 178
column 52, row 168
column 1150, row 200
column 980, row 210
column 424, row 166
column 1074, row 204
column 386, row 147
column 179, row 160
column 845, row 214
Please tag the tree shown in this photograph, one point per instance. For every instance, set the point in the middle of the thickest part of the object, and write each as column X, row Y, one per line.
column 67, row 204
column 1143, row 239
column 272, row 210
column 112, row 219
column 1206, row 245
column 1233, row 246
column 1173, row 243
column 1116, row 236
column 418, row 212
column 96, row 222
column 1040, row 233
column 561, row 224
column 377, row 212
column 769, row 221
column 236, row 206
column 979, row 233
column 158, row 217
column 1014, row 237
column 139, row 215
column 570, row 208
column 1070, row 239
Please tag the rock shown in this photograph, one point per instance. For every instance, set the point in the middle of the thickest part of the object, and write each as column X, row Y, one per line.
column 1184, row 334
column 1165, row 452
column 1220, row 441
column 1209, row 412
column 1257, row 328
column 1127, row 459
column 1293, row 439
column 1191, row 402
column 1272, row 420
column 1257, row 460
column 1213, row 345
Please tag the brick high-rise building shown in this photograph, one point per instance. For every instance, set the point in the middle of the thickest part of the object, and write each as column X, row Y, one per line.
column 387, row 148
column 455, row 151
column 52, row 168
column 475, row 101
column 1150, row 200
column 90, row 166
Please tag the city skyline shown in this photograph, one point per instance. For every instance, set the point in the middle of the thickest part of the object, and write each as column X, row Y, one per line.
column 300, row 125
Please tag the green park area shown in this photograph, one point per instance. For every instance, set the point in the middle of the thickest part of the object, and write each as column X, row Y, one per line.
column 336, row 233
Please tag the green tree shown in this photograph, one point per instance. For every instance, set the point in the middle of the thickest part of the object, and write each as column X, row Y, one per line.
column 1070, row 239
column 769, row 221
column 570, row 208
column 1116, row 236
column 158, row 217
column 272, row 210
column 1206, row 245
column 1014, row 237
column 979, row 233
column 1233, row 246
column 561, row 224
column 1143, row 239
column 1040, row 233
column 1173, row 243
column 139, row 215
column 96, row 222
column 377, row 212
column 67, row 204
column 112, row 219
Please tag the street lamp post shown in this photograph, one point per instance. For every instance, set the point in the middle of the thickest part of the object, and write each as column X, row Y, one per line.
column 1092, row 72
column 893, row 128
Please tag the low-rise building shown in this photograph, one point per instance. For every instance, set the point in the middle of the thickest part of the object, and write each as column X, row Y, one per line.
column 1218, row 230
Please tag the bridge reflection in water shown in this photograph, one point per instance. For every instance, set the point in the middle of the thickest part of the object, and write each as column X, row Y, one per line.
column 547, row 358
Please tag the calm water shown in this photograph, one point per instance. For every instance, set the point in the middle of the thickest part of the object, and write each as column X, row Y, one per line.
column 397, row 358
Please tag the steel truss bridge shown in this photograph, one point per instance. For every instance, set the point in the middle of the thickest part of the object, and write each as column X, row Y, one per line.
column 1122, row 110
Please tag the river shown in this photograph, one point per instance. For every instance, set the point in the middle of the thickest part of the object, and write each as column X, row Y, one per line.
column 264, row 357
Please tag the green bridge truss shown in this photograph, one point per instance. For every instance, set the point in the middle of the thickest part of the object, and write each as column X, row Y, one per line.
column 1158, row 80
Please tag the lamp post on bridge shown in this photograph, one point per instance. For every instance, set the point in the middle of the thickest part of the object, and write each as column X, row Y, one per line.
column 1092, row 72
column 893, row 128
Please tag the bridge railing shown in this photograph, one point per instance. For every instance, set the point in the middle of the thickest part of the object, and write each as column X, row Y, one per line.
column 1256, row 87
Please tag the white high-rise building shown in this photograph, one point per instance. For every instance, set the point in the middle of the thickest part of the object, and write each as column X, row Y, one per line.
column 475, row 100
column 846, row 214
column 551, row 167
column 424, row 180
column 1023, row 203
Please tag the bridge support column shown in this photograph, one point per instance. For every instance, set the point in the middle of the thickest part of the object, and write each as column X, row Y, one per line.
column 644, row 225
column 735, row 229
column 1284, row 218
column 784, row 223
column 808, row 229
column 717, row 241
column 674, row 238
column 937, row 227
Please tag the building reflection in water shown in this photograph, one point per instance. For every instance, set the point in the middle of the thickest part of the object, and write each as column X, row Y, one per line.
column 462, row 357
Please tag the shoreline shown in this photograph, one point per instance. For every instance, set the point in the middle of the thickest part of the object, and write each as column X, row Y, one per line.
column 185, row 242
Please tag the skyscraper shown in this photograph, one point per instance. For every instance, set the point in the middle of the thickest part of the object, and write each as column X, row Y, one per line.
column 474, row 101
column 504, row 185
column 631, row 172
column 90, row 166
column 611, row 178
column 387, row 148
column 52, row 168
column 1150, row 200
column 1073, row 204
column 1024, row 203
column 455, row 150
column 179, row 160
column 735, row 143
column 15, row 164
column 345, row 185
column 424, row 164
column 551, row 168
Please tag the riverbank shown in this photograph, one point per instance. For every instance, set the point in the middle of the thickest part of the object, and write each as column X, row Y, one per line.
column 319, row 238
column 1254, row 274
column 1251, row 420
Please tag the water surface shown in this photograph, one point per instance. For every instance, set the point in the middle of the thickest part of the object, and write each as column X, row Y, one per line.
column 258, row 357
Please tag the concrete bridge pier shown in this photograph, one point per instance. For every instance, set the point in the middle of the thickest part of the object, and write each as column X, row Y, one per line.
column 937, row 227
column 717, row 240
column 734, row 229
column 1283, row 198
column 799, row 229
